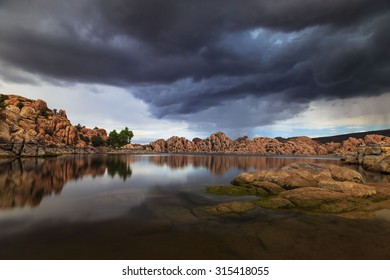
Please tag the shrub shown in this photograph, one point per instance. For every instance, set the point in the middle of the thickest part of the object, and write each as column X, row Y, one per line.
column 97, row 141
column 120, row 139
column 3, row 97
column 48, row 131
column 20, row 105
column 43, row 113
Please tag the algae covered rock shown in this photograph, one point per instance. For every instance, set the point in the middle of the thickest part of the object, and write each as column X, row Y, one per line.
column 235, row 207
column 275, row 203
column 234, row 190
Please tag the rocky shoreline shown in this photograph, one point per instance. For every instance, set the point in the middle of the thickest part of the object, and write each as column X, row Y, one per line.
column 29, row 128
column 372, row 158
column 319, row 188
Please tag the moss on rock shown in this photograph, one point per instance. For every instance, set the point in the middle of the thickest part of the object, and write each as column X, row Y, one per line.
column 228, row 208
column 275, row 203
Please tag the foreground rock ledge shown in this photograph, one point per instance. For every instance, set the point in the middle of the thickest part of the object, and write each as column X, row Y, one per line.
column 323, row 188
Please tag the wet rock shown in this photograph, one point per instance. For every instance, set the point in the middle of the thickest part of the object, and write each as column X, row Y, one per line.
column 350, row 188
column 312, row 197
column 235, row 207
column 234, row 190
column 275, row 203
column 298, row 175
column 269, row 187
column 315, row 187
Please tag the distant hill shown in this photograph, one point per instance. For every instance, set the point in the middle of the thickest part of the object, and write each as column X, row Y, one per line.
column 357, row 135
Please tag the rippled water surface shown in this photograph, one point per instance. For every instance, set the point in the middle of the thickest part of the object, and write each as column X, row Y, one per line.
column 152, row 207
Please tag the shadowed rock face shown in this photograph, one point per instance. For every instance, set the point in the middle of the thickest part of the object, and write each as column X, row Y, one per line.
column 373, row 158
column 316, row 187
column 28, row 126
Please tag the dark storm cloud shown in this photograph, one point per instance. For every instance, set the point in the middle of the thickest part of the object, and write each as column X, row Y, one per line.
column 185, row 58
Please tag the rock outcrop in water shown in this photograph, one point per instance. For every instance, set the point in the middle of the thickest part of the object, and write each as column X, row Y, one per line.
column 371, row 157
column 314, row 187
column 29, row 128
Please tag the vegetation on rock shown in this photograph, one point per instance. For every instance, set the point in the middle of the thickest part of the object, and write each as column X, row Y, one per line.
column 97, row 141
column 3, row 97
column 120, row 139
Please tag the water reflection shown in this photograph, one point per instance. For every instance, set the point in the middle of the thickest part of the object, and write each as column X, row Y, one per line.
column 24, row 182
column 150, row 206
column 119, row 166
column 219, row 165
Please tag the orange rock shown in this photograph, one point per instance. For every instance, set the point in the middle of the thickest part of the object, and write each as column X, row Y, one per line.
column 32, row 121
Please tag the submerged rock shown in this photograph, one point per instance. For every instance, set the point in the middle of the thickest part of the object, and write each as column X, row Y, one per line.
column 235, row 207
column 275, row 203
column 235, row 190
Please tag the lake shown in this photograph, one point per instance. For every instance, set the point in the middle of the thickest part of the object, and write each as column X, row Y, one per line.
column 152, row 207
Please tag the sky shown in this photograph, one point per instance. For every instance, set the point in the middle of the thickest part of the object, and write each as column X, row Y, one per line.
column 194, row 67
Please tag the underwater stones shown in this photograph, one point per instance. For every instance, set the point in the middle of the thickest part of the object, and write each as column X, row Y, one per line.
column 275, row 203
column 234, row 190
column 235, row 207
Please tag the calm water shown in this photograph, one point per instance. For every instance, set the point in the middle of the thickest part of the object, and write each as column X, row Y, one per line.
column 152, row 207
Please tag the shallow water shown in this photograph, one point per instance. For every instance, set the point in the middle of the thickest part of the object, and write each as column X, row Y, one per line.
column 152, row 207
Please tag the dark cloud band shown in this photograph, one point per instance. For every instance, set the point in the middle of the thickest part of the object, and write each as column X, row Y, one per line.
column 188, row 57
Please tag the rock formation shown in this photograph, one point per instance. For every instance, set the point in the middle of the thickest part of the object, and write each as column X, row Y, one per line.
column 220, row 143
column 28, row 127
column 372, row 157
column 315, row 187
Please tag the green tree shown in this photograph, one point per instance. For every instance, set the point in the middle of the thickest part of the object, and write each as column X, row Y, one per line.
column 3, row 97
column 120, row 139
column 125, row 136
column 97, row 141
column 113, row 138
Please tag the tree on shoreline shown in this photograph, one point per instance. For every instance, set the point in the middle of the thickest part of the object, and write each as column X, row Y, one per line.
column 120, row 139
column 97, row 141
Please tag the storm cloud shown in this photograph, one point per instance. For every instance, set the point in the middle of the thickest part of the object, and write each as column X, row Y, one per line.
column 222, row 64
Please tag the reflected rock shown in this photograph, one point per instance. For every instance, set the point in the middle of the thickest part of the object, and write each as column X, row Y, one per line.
column 24, row 182
column 219, row 164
